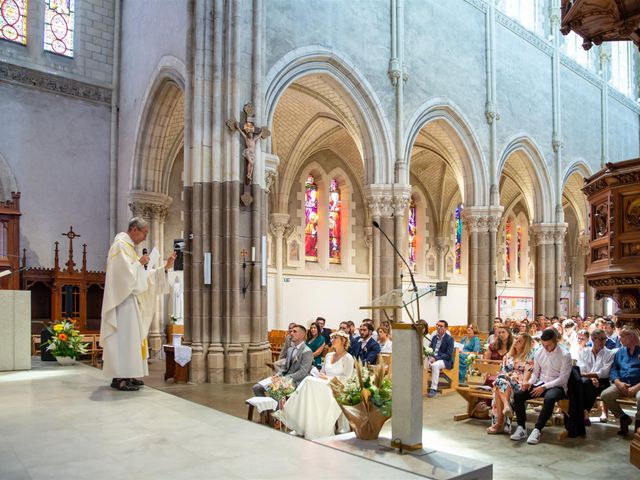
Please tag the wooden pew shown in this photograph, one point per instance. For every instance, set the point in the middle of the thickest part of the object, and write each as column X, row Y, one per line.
column 451, row 373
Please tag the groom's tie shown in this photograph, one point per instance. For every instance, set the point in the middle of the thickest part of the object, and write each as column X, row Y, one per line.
column 289, row 357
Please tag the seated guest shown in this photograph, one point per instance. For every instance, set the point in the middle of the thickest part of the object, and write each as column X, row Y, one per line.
column 353, row 333
column 443, row 345
column 582, row 342
column 344, row 327
column 325, row 332
column 501, row 345
column 311, row 410
column 387, row 323
column 515, row 371
column 287, row 342
column 492, row 338
column 595, row 365
column 298, row 361
column 316, row 344
column 471, row 344
column 549, row 379
column 370, row 322
column 613, row 340
column 625, row 377
column 384, row 340
column 366, row 349
column 570, row 333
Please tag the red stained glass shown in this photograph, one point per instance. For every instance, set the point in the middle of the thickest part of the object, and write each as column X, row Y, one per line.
column 58, row 26
column 13, row 21
column 334, row 222
column 311, row 215
column 411, row 232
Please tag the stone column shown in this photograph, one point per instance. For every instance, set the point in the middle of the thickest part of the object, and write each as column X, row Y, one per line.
column 559, row 234
column 481, row 224
column 279, row 224
column 443, row 245
column 401, row 198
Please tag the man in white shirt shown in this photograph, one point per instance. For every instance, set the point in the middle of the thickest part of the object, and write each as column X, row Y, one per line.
column 595, row 365
column 551, row 371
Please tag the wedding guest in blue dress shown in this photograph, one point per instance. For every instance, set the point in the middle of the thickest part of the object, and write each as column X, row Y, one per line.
column 471, row 344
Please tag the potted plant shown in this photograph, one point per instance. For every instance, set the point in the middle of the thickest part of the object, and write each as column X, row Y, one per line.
column 365, row 399
column 65, row 343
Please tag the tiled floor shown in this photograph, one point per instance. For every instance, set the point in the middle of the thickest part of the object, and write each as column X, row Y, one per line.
column 65, row 422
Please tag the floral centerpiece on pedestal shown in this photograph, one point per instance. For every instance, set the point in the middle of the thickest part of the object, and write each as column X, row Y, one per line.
column 65, row 343
column 365, row 399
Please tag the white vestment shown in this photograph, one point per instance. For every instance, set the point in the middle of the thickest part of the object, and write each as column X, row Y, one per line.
column 130, row 294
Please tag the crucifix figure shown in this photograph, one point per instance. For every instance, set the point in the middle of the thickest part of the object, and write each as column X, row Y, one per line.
column 70, row 235
column 251, row 135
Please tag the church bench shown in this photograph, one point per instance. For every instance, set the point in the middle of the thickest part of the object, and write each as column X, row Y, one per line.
column 452, row 374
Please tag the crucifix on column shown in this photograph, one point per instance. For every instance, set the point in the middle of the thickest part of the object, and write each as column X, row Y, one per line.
column 251, row 135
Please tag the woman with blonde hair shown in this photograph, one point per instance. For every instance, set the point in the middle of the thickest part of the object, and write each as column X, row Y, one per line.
column 311, row 410
column 516, row 369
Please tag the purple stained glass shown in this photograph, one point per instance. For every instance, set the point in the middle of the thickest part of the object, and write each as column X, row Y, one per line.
column 459, row 239
column 13, row 21
column 334, row 222
column 412, row 229
column 311, row 215
column 507, row 248
column 518, row 249
column 58, row 26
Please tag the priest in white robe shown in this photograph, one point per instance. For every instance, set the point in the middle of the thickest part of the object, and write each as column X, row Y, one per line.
column 130, row 292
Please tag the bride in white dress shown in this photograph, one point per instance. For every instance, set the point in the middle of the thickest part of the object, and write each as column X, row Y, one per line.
column 311, row 410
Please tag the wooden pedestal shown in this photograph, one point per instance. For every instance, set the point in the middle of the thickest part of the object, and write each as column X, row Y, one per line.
column 173, row 370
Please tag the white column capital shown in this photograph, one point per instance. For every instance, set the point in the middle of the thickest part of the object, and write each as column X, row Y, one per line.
column 482, row 219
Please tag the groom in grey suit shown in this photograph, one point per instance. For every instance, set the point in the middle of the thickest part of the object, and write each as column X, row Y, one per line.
column 299, row 360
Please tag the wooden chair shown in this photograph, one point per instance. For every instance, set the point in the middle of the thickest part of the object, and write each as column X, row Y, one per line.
column 387, row 360
column 35, row 345
column 451, row 374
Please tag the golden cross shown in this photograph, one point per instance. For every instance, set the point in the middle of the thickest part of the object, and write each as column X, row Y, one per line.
column 243, row 253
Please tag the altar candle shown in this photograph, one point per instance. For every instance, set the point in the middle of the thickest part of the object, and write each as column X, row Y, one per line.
column 253, row 254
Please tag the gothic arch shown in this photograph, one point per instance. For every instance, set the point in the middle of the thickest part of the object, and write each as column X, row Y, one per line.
column 160, row 129
column 355, row 90
column 8, row 181
column 539, row 196
column 572, row 190
column 472, row 174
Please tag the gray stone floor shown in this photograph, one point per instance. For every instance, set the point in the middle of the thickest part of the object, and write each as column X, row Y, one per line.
column 601, row 455
column 65, row 422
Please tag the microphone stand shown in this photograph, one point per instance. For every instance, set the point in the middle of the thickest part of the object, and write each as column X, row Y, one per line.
column 413, row 280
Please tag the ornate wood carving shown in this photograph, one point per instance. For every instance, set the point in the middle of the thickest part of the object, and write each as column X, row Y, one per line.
column 598, row 21
column 10, row 241
column 66, row 292
column 614, row 272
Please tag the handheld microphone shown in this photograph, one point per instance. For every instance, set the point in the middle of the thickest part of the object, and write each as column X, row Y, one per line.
column 145, row 252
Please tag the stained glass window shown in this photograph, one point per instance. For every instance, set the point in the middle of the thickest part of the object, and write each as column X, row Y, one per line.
column 58, row 27
column 13, row 20
column 507, row 249
column 518, row 250
column 334, row 222
column 459, row 239
column 412, row 234
column 311, row 215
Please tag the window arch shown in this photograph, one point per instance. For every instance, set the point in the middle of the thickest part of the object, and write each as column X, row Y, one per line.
column 525, row 12
column 59, row 26
column 13, row 21
column 311, row 220
column 519, row 251
column 458, row 244
column 621, row 67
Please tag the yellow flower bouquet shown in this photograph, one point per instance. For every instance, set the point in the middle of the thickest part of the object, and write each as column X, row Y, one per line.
column 65, row 340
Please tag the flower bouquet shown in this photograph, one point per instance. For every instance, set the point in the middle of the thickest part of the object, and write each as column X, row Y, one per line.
column 65, row 342
column 428, row 353
column 365, row 399
column 280, row 388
